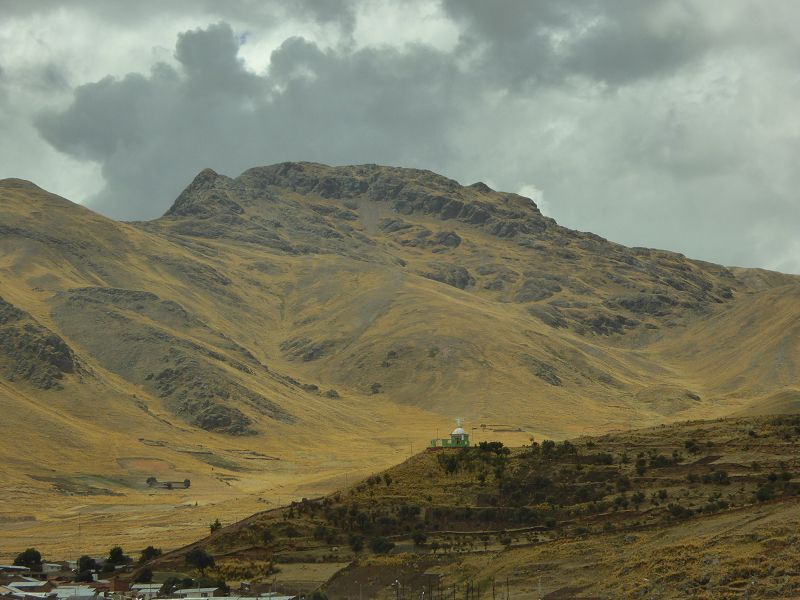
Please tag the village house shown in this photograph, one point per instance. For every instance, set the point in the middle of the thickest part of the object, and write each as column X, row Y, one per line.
column 11, row 570
column 29, row 584
column 145, row 591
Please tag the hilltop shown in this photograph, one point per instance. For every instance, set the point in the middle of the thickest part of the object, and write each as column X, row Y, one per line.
column 275, row 333
column 704, row 509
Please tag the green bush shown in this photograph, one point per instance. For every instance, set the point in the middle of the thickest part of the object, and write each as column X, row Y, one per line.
column 31, row 558
column 199, row 559
column 149, row 554
column 380, row 545
column 356, row 542
column 144, row 576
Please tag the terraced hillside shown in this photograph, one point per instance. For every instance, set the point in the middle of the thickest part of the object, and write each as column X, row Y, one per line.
column 703, row 509
column 277, row 332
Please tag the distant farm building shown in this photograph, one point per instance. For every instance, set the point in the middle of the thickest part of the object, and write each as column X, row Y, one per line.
column 168, row 485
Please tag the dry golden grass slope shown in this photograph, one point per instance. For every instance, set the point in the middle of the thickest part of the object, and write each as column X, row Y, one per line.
column 262, row 335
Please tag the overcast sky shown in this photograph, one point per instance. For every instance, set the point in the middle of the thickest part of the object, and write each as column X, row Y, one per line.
column 671, row 124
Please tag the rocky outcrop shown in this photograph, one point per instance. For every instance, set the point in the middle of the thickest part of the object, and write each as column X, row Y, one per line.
column 544, row 371
column 161, row 346
column 407, row 191
column 453, row 275
column 31, row 352
column 645, row 304
column 306, row 349
column 205, row 197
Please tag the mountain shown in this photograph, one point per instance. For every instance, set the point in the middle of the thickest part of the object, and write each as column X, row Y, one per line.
column 275, row 333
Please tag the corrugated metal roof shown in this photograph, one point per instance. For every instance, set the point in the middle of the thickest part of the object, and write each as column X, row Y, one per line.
column 75, row 591
column 146, row 587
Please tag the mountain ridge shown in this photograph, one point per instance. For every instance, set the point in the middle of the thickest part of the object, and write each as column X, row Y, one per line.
column 300, row 309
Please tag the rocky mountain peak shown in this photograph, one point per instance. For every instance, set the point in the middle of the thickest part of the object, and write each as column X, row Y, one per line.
column 204, row 197
column 405, row 191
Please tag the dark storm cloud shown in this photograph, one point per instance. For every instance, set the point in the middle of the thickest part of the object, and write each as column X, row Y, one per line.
column 613, row 42
column 153, row 133
column 253, row 11
column 669, row 123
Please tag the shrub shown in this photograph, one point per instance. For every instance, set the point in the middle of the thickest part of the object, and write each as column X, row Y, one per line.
column 117, row 557
column 765, row 492
column 149, row 554
column 199, row 559
column 356, row 542
column 144, row 576
column 291, row 532
column 717, row 478
column 678, row 511
column 380, row 545
column 419, row 537
column 495, row 447
column 215, row 526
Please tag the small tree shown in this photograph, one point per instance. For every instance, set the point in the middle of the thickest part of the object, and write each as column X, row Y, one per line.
column 380, row 545
column 215, row 526
column 419, row 537
column 117, row 557
column 356, row 542
column 199, row 559
column 31, row 558
column 144, row 576
column 86, row 564
column 149, row 554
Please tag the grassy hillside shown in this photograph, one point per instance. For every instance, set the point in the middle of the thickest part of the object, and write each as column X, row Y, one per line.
column 703, row 509
column 260, row 336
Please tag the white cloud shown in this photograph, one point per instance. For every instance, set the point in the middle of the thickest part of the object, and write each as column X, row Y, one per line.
column 669, row 124
column 531, row 191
